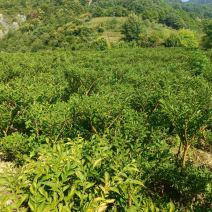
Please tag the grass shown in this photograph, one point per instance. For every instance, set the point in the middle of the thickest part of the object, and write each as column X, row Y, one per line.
column 95, row 22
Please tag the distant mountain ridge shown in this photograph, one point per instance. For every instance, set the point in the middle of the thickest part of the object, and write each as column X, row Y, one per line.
column 202, row 1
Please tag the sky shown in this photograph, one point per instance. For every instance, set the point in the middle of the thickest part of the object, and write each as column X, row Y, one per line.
column 184, row 0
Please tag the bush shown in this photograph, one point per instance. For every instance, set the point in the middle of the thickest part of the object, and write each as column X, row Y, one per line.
column 187, row 39
column 77, row 177
column 184, row 38
column 16, row 145
column 100, row 44
column 101, row 29
column 172, row 41
column 206, row 40
column 199, row 64
column 132, row 28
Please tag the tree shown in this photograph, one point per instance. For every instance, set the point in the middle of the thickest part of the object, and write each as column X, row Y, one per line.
column 207, row 39
column 184, row 38
column 188, row 39
column 100, row 44
column 34, row 15
column 98, row 12
column 132, row 28
column 174, row 21
column 189, row 111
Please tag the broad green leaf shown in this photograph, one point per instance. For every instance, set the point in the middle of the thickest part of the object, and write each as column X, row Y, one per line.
column 132, row 209
column 110, row 200
column 60, row 206
column 41, row 207
column 89, row 185
column 135, row 200
column 32, row 205
column 52, row 185
column 172, row 207
column 22, row 199
column 114, row 189
column 96, row 162
column 48, row 208
column 66, row 209
column 66, row 187
column 70, row 194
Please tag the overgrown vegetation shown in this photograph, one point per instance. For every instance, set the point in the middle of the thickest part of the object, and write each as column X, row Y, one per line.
column 96, row 131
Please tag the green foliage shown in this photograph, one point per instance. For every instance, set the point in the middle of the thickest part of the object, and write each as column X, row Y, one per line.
column 172, row 41
column 187, row 39
column 174, row 21
column 100, row 44
column 94, row 130
column 189, row 111
column 98, row 12
column 183, row 38
column 16, row 145
column 15, row 185
column 132, row 28
column 208, row 137
column 52, row 25
column 199, row 64
column 206, row 40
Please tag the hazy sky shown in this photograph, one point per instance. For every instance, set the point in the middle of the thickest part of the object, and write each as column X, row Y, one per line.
column 185, row 0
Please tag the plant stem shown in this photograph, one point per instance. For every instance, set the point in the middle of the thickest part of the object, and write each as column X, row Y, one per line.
column 184, row 158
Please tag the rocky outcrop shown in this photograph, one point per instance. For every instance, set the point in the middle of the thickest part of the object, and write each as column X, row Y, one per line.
column 6, row 27
column 21, row 18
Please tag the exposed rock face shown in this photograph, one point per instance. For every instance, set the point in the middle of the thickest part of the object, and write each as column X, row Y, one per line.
column 21, row 18
column 4, row 22
column 14, row 25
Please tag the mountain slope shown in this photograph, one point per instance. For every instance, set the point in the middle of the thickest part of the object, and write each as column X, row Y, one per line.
column 52, row 24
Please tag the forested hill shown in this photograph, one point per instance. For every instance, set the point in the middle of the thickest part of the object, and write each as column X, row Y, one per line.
column 201, row 1
column 60, row 23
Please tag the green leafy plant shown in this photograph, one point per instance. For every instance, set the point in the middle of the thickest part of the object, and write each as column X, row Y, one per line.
column 13, row 195
column 16, row 145
column 100, row 44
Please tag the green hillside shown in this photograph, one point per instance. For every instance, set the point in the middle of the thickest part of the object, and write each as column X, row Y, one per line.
column 201, row 1
column 52, row 24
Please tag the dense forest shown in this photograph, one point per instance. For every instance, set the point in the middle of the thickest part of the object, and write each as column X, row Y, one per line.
column 105, row 105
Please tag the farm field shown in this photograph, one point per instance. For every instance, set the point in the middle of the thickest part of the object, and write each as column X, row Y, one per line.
column 106, row 131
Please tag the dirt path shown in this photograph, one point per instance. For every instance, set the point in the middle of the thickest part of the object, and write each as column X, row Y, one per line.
column 199, row 157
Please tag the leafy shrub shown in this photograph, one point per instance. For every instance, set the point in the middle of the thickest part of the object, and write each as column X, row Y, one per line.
column 172, row 41
column 149, row 40
column 127, row 104
column 132, row 28
column 184, row 38
column 199, row 64
column 79, row 177
column 16, row 145
column 14, row 195
column 187, row 39
column 101, row 29
column 100, row 44
column 206, row 40
column 208, row 137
